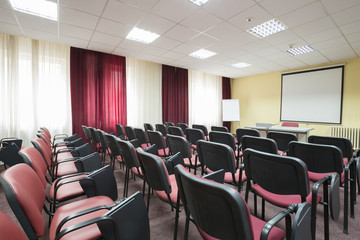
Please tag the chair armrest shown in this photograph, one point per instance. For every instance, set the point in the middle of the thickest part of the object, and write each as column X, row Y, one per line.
column 172, row 161
column 217, row 176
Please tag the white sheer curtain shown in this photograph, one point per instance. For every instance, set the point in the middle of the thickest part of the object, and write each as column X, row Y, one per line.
column 143, row 91
column 34, row 87
column 205, row 95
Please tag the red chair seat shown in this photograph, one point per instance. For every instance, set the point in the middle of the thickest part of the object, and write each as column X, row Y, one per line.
column 9, row 230
column 64, row 155
column 258, row 224
column 282, row 200
column 228, row 176
column 174, row 191
column 162, row 153
column 67, row 190
column 137, row 171
column 187, row 161
column 314, row 177
column 66, row 168
column 90, row 232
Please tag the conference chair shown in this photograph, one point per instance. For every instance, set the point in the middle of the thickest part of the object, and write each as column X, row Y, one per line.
column 322, row 160
column 131, row 161
column 280, row 180
column 220, row 212
column 148, row 126
column 259, row 143
column 176, row 131
column 120, row 131
column 215, row 156
column 169, row 124
column 346, row 148
column 202, row 128
column 87, row 133
column 25, row 194
column 9, row 230
column 183, row 127
column 178, row 144
column 219, row 128
column 95, row 139
column 141, row 135
column 115, row 153
column 161, row 128
column 130, row 133
column 193, row 135
column 104, row 145
column 240, row 132
column 9, row 148
column 156, row 138
column 225, row 138
column 282, row 140
column 290, row 124
column 60, row 136
column 158, row 179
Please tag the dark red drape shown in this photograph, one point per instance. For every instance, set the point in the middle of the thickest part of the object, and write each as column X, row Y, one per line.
column 98, row 90
column 175, row 106
column 226, row 94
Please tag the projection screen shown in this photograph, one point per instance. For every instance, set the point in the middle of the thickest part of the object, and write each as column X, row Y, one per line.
column 312, row 96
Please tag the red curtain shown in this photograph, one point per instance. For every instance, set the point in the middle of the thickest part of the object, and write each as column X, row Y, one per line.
column 98, row 90
column 175, row 95
column 226, row 94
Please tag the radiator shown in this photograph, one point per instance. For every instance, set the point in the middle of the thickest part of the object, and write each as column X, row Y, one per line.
column 352, row 133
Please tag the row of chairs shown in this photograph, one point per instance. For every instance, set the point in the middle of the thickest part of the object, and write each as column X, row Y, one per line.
column 100, row 214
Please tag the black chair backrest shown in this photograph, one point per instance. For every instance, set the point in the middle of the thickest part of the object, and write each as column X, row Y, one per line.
column 217, row 209
column 169, row 124
column 82, row 151
column 193, row 135
column 94, row 135
column 183, row 126
column 120, row 131
column 219, row 128
column 276, row 173
column 148, row 126
column 128, row 154
column 223, row 137
column 240, row 132
column 130, row 133
column 141, row 135
column 130, row 218
column 216, row 156
column 157, row 138
column 161, row 128
column 9, row 154
column 344, row 144
column 179, row 144
column 87, row 132
column 201, row 127
column 7, row 141
column 282, row 139
column 113, row 145
column 155, row 171
column 258, row 143
column 102, row 139
column 318, row 158
column 88, row 163
column 175, row 131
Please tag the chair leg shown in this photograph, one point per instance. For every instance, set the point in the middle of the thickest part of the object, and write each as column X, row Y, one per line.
column 346, row 202
column 144, row 187
column 358, row 173
column 126, row 182
column 326, row 210
column 148, row 200
column 186, row 233
column 177, row 217
column 352, row 190
column 263, row 209
column 255, row 204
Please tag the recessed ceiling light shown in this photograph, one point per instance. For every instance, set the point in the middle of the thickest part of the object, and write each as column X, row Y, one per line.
column 241, row 65
column 267, row 28
column 300, row 50
column 40, row 8
column 202, row 54
column 199, row 2
column 141, row 35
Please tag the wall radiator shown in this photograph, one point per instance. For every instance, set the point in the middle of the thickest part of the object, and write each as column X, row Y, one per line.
column 352, row 133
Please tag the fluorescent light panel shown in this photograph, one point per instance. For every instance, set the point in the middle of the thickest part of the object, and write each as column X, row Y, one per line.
column 40, row 8
column 241, row 65
column 141, row 35
column 199, row 2
column 267, row 28
column 300, row 50
column 202, row 54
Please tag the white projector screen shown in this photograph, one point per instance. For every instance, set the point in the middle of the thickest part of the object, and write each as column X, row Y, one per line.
column 312, row 96
column 231, row 110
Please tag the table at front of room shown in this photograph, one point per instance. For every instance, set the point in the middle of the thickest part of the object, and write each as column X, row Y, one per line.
column 301, row 133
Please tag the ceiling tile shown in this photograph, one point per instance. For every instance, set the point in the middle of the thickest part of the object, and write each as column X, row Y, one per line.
column 322, row 36
column 201, row 21
column 100, row 47
column 333, row 6
column 75, row 32
column 287, row 36
column 165, row 43
column 10, row 29
column 146, row 5
column 155, row 51
column 350, row 28
column 5, row 4
column 113, row 28
column 162, row 60
column 144, row 56
column 202, row 41
column 173, row 55
column 40, row 35
column 123, row 13
column 174, row 10
column 231, row 8
column 315, row 26
column 38, row 23
column 303, row 15
column 257, row 15
column 7, row 16
column 338, row 53
column 267, row 51
column 74, row 42
column 332, row 42
column 90, row 6
column 281, row 7
column 128, row 52
column 312, row 58
column 185, row 49
column 353, row 37
column 223, row 31
column 132, row 45
column 347, row 16
column 77, row 18
column 180, row 33
column 107, row 39
column 156, row 24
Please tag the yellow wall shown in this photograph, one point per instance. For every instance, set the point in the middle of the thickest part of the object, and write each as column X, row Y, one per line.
column 260, row 98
